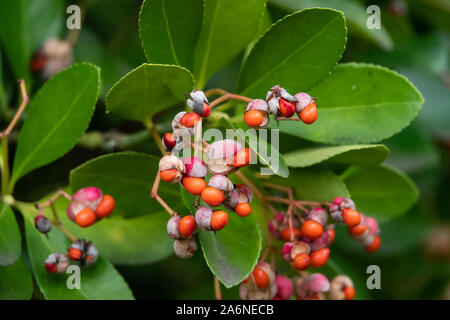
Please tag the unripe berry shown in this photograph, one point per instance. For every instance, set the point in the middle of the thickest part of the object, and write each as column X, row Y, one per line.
column 187, row 226
column 320, row 242
column 372, row 224
column 254, row 118
column 301, row 261
column 194, row 167
column 203, row 218
column 319, row 215
column 312, row 229
column 172, row 227
column 189, row 119
column 168, row 141
column 319, row 258
column 185, row 248
column 309, row 114
column 194, row 186
column 284, row 287
column 212, row 196
column 105, row 207
column 286, row 233
column 219, row 220
column 374, row 246
column 351, row 217
column 243, row 209
column 260, row 277
column 317, row 282
column 42, row 224
column 242, row 158
column 286, row 108
column 85, row 217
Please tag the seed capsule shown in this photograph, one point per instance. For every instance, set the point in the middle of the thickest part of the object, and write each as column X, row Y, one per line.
column 56, row 263
column 341, row 288
column 172, row 227
column 171, row 168
column 220, row 156
column 194, row 167
column 284, row 287
column 198, row 103
column 42, row 224
column 257, row 114
column 185, row 248
column 203, row 218
column 168, row 141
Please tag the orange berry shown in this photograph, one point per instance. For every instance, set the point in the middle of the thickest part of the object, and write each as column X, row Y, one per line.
column 331, row 235
column 168, row 175
column 194, row 185
column 75, row 254
column 309, row 114
column 105, row 207
column 301, row 261
column 206, row 110
column 253, row 118
column 349, row 293
column 243, row 209
column 212, row 196
column 286, row 108
column 189, row 119
column 312, row 229
column 242, row 158
column 358, row 230
column 187, row 226
column 246, row 279
column 261, row 277
column 352, row 218
column 374, row 246
column 319, row 258
column 219, row 220
column 286, row 233
column 85, row 217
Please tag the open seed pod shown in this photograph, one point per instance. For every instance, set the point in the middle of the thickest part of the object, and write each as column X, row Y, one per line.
column 220, row 156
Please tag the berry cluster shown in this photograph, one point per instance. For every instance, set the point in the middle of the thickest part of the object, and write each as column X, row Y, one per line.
column 282, row 105
column 224, row 157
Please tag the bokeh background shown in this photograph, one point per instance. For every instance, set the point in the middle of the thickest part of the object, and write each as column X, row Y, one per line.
column 415, row 40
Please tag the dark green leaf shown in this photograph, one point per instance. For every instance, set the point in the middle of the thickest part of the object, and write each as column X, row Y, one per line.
column 228, row 26
column 295, row 52
column 382, row 192
column 361, row 154
column 149, row 89
column 10, row 242
column 359, row 103
column 57, row 117
column 169, row 30
column 15, row 282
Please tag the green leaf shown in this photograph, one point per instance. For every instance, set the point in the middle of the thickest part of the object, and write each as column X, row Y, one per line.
column 233, row 252
column 360, row 154
column 355, row 14
column 359, row 103
column 147, row 90
column 57, row 118
column 99, row 281
column 383, row 193
column 10, row 241
column 169, row 30
column 296, row 52
column 261, row 148
column 15, row 282
column 128, row 177
column 314, row 184
column 228, row 26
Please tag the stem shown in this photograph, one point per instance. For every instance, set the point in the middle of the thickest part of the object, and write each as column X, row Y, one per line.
column 157, row 138
column 5, row 167
column 217, row 289
column 59, row 224
column 19, row 112
column 229, row 96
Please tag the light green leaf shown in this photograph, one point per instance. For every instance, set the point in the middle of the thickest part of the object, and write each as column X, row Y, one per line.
column 169, row 30
column 228, row 26
column 15, row 282
column 268, row 155
column 233, row 252
column 100, row 281
column 383, row 193
column 296, row 52
column 360, row 154
column 147, row 90
column 57, row 117
column 128, row 177
column 10, row 241
column 359, row 103
column 355, row 14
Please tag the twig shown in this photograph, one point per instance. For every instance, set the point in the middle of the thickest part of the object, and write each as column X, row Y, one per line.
column 19, row 112
column 217, row 290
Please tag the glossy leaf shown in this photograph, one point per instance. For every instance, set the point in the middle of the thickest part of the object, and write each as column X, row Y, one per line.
column 232, row 252
column 267, row 154
column 296, row 52
column 382, row 192
column 99, row 281
column 359, row 103
column 15, row 282
column 57, row 117
column 360, row 154
column 169, row 30
column 228, row 26
column 355, row 14
column 147, row 90
column 10, row 241
column 128, row 177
